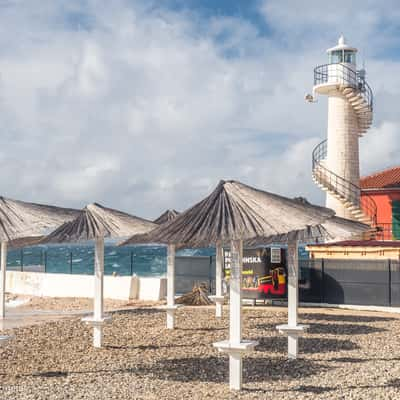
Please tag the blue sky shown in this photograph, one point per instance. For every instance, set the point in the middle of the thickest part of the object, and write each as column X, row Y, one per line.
column 145, row 105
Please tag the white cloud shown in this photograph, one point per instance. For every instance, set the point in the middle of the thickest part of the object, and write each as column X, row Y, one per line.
column 143, row 108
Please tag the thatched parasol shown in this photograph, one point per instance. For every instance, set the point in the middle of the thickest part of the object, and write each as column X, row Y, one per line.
column 166, row 216
column 233, row 212
column 333, row 229
column 96, row 222
column 21, row 223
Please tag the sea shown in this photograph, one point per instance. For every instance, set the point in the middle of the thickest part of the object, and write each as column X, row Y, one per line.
column 143, row 260
column 140, row 260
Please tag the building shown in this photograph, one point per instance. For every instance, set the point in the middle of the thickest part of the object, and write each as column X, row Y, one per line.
column 384, row 188
column 336, row 167
column 356, row 250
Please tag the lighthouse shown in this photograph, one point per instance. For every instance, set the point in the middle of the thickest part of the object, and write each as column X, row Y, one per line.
column 336, row 160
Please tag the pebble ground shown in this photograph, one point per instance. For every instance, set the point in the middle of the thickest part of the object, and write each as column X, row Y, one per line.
column 345, row 355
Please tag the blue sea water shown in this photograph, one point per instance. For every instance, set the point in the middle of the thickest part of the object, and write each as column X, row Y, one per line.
column 145, row 260
column 79, row 259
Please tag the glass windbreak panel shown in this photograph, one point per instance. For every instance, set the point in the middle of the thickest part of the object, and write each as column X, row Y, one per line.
column 336, row 57
column 349, row 56
column 396, row 219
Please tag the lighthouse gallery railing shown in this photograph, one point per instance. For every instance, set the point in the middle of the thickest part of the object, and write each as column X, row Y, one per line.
column 343, row 75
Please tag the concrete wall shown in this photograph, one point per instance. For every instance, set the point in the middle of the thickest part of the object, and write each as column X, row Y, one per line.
column 67, row 285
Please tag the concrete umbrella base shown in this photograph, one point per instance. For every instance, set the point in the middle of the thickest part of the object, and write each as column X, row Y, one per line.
column 219, row 301
column 5, row 339
column 97, row 324
column 170, row 310
column 235, row 352
column 292, row 332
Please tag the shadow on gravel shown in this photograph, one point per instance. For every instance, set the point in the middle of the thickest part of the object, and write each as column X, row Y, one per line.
column 215, row 369
column 345, row 318
column 147, row 347
column 344, row 329
column 137, row 311
column 278, row 344
column 334, row 329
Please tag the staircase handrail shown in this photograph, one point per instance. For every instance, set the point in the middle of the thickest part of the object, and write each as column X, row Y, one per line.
column 343, row 187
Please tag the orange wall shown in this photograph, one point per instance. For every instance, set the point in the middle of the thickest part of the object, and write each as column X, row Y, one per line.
column 383, row 202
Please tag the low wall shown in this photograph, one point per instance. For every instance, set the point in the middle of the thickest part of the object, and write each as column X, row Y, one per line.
column 68, row 285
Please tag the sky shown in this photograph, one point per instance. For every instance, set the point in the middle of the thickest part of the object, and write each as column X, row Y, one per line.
column 146, row 105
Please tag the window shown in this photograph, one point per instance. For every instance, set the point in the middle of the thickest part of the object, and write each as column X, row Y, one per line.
column 336, row 57
column 349, row 56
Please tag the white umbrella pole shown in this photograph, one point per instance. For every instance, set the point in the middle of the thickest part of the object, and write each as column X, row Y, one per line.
column 171, row 307
column 235, row 346
column 219, row 297
column 292, row 329
column 98, row 290
column 293, row 297
column 235, row 314
column 3, row 275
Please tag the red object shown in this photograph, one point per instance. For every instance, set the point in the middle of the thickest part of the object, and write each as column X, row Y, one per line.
column 383, row 187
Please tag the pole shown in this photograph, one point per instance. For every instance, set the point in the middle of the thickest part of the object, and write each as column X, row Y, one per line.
column 131, row 263
column 22, row 260
column 235, row 314
column 171, row 286
column 3, row 276
column 218, row 279
column 98, row 290
column 293, row 293
column 70, row 262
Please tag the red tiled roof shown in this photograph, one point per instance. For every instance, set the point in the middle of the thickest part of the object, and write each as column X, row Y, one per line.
column 389, row 178
column 361, row 243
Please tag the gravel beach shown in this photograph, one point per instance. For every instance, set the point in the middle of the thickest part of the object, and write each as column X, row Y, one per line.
column 345, row 355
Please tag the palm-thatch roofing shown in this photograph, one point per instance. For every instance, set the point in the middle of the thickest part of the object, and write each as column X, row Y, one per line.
column 333, row 229
column 96, row 220
column 19, row 219
column 166, row 216
column 235, row 211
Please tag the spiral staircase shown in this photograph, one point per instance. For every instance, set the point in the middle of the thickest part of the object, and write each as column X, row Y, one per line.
column 352, row 86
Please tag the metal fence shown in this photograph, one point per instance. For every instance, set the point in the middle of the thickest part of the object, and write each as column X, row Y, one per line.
column 191, row 271
column 360, row 282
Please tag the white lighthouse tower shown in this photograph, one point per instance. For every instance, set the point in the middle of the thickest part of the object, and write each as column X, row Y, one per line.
column 336, row 167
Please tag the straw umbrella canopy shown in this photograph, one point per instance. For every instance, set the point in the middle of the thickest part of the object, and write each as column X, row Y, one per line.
column 166, row 216
column 334, row 229
column 233, row 212
column 21, row 223
column 96, row 222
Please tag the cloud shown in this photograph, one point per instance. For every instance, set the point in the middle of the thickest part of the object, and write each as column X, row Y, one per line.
column 143, row 108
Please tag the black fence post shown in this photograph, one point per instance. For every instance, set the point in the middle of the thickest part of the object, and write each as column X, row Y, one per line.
column 131, row 263
column 322, row 280
column 22, row 260
column 389, row 282
column 70, row 262
column 210, row 275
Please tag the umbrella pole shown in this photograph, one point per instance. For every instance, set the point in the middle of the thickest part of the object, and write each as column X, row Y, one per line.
column 171, row 307
column 218, row 298
column 98, row 319
column 98, row 290
column 235, row 346
column 3, row 275
column 293, row 329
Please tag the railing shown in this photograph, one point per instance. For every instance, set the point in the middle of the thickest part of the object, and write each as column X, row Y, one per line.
column 339, row 185
column 342, row 74
column 384, row 231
